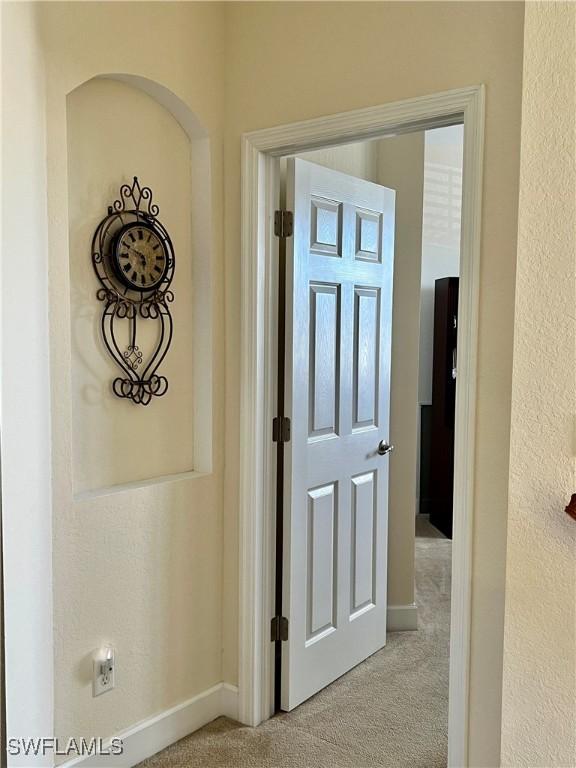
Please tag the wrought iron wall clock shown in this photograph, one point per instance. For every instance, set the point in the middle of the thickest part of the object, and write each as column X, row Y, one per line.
column 134, row 261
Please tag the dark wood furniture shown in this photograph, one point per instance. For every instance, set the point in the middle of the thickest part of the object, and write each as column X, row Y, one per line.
column 443, row 404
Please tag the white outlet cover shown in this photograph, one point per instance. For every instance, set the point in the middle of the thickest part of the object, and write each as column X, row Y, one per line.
column 103, row 683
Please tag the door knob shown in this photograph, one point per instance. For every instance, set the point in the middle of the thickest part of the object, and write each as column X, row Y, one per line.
column 384, row 448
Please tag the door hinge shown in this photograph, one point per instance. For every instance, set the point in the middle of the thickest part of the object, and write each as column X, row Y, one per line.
column 281, row 429
column 283, row 223
column 279, row 629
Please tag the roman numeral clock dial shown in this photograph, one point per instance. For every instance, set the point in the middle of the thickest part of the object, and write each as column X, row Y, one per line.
column 139, row 257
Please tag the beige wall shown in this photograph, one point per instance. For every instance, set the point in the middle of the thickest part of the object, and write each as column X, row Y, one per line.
column 139, row 568
column 143, row 569
column 336, row 57
column 358, row 159
column 104, row 121
column 401, row 166
column 539, row 697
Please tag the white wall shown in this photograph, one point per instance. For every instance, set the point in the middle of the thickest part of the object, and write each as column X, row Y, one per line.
column 443, row 157
column 539, row 697
column 25, row 383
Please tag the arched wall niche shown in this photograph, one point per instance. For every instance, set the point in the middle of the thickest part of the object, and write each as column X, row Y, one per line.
column 178, row 108
column 118, row 126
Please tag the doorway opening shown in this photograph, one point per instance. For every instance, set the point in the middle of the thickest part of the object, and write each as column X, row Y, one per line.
column 330, row 191
column 438, row 354
column 261, row 182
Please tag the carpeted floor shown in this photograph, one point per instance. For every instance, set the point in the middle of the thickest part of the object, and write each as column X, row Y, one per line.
column 391, row 711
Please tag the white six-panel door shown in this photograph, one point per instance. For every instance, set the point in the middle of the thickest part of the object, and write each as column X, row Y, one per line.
column 338, row 336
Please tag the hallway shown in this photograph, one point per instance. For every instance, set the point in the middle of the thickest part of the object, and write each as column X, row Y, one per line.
column 390, row 711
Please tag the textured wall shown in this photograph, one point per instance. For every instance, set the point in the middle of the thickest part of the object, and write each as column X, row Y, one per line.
column 539, row 697
column 159, row 563
column 106, row 429
column 26, row 465
column 293, row 61
column 139, row 568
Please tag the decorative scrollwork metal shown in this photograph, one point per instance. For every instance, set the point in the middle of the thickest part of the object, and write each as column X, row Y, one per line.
column 138, row 195
column 125, row 304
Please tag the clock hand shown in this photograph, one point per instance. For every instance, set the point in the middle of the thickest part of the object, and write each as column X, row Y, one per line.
column 143, row 259
column 136, row 251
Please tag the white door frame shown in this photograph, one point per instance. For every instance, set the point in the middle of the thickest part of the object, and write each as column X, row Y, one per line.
column 261, row 151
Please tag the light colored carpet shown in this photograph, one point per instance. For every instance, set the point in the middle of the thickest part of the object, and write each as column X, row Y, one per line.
column 390, row 711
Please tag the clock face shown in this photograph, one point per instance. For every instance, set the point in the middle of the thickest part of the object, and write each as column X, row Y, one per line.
column 140, row 257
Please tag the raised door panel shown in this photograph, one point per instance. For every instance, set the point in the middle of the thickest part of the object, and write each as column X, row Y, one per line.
column 363, row 544
column 326, row 227
column 368, row 235
column 365, row 365
column 321, row 562
column 324, row 349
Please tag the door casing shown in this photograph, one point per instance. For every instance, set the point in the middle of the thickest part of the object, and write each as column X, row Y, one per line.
column 261, row 152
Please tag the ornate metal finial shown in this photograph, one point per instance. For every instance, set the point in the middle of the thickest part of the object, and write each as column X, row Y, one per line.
column 138, row 195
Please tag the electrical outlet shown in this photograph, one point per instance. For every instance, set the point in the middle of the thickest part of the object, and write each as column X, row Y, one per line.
column 103, row 671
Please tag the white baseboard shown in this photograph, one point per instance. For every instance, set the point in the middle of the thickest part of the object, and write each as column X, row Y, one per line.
column 229, row 701
column 158, row 732
column 402, row 618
